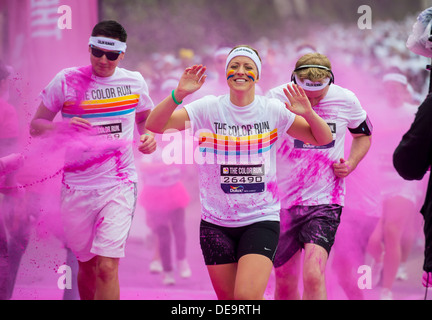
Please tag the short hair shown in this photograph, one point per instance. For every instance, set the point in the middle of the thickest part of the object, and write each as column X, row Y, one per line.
column 313, row 74
column 110, row 29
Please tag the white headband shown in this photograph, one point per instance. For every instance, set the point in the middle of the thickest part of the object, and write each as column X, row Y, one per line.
column 108, row 44
column 245, row 52
column 308, row 85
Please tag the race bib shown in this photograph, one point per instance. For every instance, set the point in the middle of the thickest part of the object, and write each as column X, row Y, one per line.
column 298, row 144
column 109, row 130
column 242, row 178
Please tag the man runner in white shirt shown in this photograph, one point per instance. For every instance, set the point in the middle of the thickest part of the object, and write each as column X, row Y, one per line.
column 100, row 104
column 311, row 179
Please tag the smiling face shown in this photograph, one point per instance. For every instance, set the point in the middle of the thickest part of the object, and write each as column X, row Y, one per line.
column 242, row 74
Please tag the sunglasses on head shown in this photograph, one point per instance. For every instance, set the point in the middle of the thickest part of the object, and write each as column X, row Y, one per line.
column 112, row 56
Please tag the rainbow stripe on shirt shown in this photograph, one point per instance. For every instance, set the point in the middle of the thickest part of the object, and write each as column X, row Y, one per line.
column 101, row 108
column 229, row 145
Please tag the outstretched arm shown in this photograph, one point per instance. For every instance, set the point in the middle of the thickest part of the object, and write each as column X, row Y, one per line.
column 164, row 116
column 307, row 126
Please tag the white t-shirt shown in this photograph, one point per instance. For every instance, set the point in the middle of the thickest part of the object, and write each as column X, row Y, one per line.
column 105, row 157
column 237, row 157
column 305, row 172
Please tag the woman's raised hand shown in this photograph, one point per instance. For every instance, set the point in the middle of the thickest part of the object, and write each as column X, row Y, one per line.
column 191, row 80
column 299, row 102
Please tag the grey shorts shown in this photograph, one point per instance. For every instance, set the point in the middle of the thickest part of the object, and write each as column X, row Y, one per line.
column 306, row 224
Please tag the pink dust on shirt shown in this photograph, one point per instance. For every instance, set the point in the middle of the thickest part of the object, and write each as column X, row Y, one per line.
column 80, row 80
column 272, row 187
column 314, row 165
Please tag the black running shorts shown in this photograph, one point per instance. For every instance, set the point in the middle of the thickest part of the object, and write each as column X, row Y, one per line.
column 222, row 245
